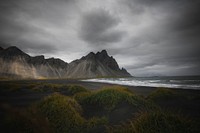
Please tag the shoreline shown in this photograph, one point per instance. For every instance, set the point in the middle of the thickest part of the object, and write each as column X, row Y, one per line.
column 141, row 90
column 129, row 85
column 91, row 85
column 25, row 94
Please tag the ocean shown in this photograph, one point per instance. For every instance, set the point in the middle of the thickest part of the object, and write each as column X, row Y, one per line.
column 184, row 82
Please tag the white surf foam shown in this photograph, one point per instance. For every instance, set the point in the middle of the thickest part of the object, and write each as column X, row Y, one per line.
column 147, row 83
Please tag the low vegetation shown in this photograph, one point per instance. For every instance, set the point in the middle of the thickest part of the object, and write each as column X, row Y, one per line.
column 109, row 97
column 162, row 93
column 63, row 113
column 116, row 102
column 55, row 113
column 156, row 121
column 15, row 86
column 67, row 89
column 169, row 99
column 114, row 109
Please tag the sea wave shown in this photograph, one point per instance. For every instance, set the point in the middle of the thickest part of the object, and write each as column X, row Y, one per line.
column 150, row 83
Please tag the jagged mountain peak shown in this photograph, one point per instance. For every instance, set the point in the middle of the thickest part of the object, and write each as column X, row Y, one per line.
column 91, row 55
column 13, row 52
column 99, row 55
column 100, row 64
column 57, row 62
column 103, row 57
column 39, row 57
column 13, row 49
column 104, row 52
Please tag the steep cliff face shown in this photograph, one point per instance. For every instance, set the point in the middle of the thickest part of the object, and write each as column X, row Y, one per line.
column 96, row 65
column 12, row 53
column 17, row 64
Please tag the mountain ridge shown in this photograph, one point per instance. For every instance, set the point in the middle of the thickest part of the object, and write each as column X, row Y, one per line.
column 16, row 62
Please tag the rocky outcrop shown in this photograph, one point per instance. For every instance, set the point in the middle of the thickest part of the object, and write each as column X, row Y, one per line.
column 12, row 53
column 96, row 65
column 15, row 63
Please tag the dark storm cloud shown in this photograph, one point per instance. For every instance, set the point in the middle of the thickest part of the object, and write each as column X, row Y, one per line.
column 188, row 17
column 148, row 37
column 169, row 43
column 28, row 24
column 98, row 28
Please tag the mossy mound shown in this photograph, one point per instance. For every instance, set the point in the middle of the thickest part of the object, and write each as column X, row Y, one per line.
column 116, row 102
column 63, row 113
column 172, row 100
column 155, row 122
column 162, row 94
column 46, row 87
column 168, row 98
column 73, row 89
column 55, row 113
column 110, row 97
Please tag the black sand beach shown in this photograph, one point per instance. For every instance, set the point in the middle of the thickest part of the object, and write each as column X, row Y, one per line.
column 19, row 94
column 25, row 97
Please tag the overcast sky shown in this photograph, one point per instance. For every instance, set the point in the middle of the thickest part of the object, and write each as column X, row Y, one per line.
column 147, row 37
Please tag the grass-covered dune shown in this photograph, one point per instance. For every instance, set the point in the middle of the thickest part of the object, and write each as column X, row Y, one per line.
column 116, row 102
column 184, row 103
column 60, row 108
column 156, row 121
column 55, row 113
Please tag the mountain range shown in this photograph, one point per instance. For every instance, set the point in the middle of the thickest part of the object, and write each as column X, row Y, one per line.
column 17, row 64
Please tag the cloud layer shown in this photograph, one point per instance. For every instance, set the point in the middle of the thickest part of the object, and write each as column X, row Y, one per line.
column 148, row 37
column 98, row 28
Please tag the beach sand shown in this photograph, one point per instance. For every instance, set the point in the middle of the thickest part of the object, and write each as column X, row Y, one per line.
column 19, row 94
column 23, row 97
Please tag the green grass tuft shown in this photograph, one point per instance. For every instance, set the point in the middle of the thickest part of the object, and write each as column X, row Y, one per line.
column 55, row 113
column 46, row 87
column 162, row 93
column 76, row 109
column 117, row 103
column 155, row 122
column 74, row 89
column 109, row 97
column 63, row 113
